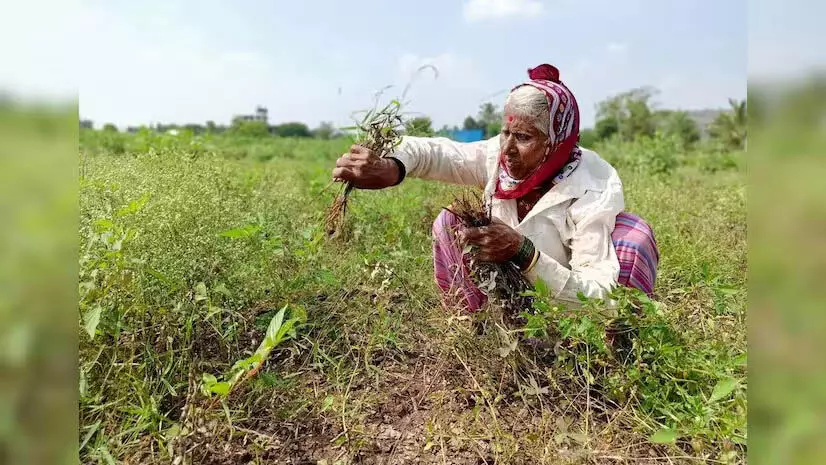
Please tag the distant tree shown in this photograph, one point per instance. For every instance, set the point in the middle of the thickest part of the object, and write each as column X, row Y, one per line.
column 109, row 127
column 587, row 138
column 679, row 124
column 419, row 126
column 195, row 128
column 292, row 129
column 493, row 129
column 210, row 127
column 630, row 114
column 471, row 123
column 249, row 128
column 325, row 130
column 87, row 124
column 730, row 127
column 490, row 119
column 606, row 128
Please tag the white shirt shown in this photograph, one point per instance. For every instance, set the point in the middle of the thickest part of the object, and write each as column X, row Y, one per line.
column 570, row 225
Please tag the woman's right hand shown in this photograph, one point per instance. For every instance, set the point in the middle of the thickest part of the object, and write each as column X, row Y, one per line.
column 365, row 170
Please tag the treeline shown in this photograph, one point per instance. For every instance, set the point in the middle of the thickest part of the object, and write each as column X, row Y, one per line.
column 238, row 127
column 625, row 117
column 631, row 115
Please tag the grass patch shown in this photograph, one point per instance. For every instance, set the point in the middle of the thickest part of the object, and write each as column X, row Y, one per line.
column 190, row 248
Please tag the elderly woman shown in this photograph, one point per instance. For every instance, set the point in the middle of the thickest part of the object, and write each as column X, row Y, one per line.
column 557, row 208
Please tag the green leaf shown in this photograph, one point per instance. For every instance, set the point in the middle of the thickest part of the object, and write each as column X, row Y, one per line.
column 664, row 436
column 275, row 324
column 542, row 288
column 92, row 430
column 200, row 291
column 222, row 289
column 282, row 332
column 741, row 360
column 328, row 402
column 723, row 388
column 92, row 319
column 102, row 225
column 134, row 206
column 221, row 388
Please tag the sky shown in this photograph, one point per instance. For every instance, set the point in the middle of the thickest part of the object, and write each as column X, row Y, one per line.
column 153, row 61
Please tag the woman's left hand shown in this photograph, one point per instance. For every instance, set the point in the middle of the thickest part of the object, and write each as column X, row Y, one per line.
column 496, row 242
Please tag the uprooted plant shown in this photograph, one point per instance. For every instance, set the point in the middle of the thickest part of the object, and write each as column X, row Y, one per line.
column 380, row 131
column 503, row 282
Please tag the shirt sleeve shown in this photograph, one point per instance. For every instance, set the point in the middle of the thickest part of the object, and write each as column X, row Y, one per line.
column 594, row 267
column 442, row 159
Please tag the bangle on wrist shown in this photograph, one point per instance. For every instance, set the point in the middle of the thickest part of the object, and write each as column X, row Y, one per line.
column 533, row 261
column 525, row 255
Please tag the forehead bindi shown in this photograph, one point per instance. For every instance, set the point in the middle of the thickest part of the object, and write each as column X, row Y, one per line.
column 519, row 123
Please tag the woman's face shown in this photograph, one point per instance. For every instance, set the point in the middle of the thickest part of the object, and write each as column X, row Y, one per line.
column 522, row 145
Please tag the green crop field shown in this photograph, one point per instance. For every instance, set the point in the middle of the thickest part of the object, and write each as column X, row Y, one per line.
column 192, row 244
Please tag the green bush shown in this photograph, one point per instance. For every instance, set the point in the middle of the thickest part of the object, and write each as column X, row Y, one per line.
column 657, row 155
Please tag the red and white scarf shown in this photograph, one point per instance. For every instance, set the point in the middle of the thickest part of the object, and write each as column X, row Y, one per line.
column 562, row 155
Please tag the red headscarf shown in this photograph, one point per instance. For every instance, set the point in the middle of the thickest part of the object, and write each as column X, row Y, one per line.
column 563, row 134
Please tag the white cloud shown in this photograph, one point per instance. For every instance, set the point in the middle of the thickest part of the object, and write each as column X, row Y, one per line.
column 480, row 10
column 617, row 47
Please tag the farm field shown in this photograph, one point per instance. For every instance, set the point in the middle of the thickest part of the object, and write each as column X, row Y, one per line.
column 192, row 244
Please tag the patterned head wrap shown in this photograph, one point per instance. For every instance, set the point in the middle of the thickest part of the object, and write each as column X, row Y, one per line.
column 563, row 135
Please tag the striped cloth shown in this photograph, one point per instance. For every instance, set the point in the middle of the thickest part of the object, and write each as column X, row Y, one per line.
column 450, row 269
column 633, row 240
column 637, row 252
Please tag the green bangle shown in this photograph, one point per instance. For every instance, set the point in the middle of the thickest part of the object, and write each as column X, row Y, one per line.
column 525, row 254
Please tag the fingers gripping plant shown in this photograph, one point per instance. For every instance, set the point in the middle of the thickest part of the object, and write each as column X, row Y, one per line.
column 502, row 281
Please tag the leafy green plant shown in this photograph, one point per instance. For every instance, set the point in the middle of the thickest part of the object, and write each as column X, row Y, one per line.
column 633, row 353
column 104, row 269
column 278, row 332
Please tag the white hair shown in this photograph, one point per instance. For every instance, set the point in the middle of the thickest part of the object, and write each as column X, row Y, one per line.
column 530, row 102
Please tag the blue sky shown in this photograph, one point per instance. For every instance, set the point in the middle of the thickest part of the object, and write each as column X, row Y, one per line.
column 193, row 61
